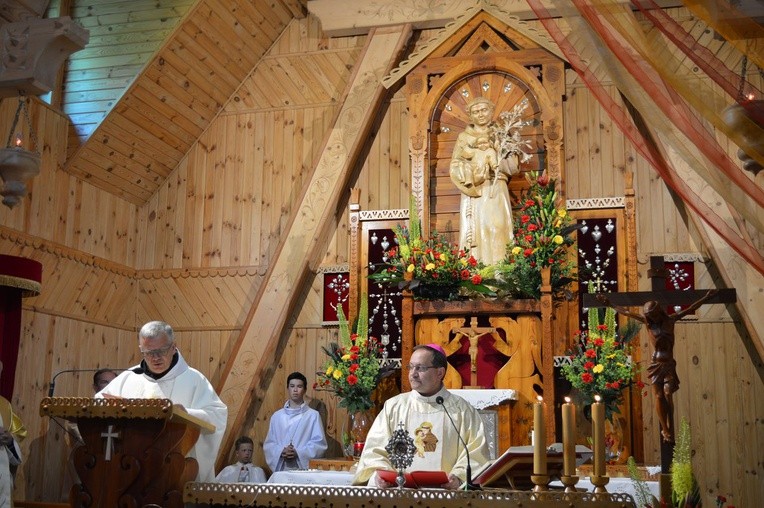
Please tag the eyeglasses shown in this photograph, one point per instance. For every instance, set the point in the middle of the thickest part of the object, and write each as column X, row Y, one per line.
column 157, row 353
column 420, row 368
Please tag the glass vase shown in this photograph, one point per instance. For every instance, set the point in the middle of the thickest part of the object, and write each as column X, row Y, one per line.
column 355, row 431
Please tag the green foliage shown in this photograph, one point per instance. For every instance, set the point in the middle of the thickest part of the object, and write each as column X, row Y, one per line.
column 684, row 489
column 601, row 364
column 353, row 369
column 643, row 496
column 543, row 235
column 436, row 266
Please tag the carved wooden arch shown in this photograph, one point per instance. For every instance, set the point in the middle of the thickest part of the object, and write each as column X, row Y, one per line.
column 429, row 82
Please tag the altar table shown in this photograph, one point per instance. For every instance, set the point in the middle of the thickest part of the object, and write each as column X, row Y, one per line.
column 321, row 496
column 314, row 477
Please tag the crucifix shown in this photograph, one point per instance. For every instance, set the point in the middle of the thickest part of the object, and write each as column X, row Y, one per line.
column 660, row 326
column 110, row 436
column 473, row 334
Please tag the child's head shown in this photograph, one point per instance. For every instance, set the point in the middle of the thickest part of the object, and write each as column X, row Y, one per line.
column 296, row 386
column 244, row 448
column 483, row 143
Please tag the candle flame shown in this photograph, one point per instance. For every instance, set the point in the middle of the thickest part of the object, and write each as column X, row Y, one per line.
column 18, row 139
column 540, row 398
column 567, row 400
column 597, row 398
column 750, row 96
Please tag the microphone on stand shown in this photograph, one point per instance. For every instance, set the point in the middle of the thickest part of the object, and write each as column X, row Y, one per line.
column 52, row 386
column 470, row 485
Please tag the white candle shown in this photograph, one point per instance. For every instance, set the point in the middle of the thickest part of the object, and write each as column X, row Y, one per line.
column 539, row 438
column 598, row 437
column 568, row 438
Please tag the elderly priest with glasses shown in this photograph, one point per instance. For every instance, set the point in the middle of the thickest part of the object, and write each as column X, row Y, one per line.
column 163, row 373
column 426, row 413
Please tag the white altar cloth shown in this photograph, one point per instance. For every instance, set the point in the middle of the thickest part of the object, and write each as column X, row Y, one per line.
column 481, row 399
column 312, row 477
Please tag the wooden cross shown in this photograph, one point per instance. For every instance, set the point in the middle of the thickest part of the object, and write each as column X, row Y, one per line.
column 664, row 298
column 473, row 334
column 110, row 436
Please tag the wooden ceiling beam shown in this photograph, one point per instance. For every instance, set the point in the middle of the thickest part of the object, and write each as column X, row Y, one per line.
column 302, row 245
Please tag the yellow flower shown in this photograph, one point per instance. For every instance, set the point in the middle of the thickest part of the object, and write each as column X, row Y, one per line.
column 346, row 357
column 410, row 268
column 562, row 212
column 430, row 266
column 337, row 374
column 557, row 239
column 444, row 257
column 598, row 368
column 516, row 250
column 329, row 370
column 620, row 364
column 463, row 262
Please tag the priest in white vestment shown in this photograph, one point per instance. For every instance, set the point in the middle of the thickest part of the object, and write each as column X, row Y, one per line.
column 296, row 433
column 12, row 431
column 164, row 374
column 438, row 445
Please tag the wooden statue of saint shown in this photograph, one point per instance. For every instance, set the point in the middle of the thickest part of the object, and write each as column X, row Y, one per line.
column 662, row 368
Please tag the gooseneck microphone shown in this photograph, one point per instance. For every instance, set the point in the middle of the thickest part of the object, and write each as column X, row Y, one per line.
column 52, row 386
column 470, row 485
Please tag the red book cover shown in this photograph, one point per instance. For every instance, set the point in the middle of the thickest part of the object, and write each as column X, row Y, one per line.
column 415, row 479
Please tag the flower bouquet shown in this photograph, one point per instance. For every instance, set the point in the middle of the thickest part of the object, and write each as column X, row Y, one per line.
column 601, row 362
column 353, row 369
column 543, row 233
column 433, row 268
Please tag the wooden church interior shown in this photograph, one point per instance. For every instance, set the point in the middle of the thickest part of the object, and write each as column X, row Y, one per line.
column 198, row 156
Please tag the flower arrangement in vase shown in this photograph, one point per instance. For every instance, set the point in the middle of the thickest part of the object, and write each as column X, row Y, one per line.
column 600, row 364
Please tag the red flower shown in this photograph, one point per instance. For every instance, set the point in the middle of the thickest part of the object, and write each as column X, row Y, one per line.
column 585, row 377
column 354, row 357
column 599, row 342
column 354, row 349
column 640, row 384
column 477, row 279
column 353, row 367
column 472, row 261
column 616, row 385
column 529, row 202
column 601, row 327
column 525, row 218
column 528, row 252
column 353, row 337
column 543, row 180
column 352, row 379
column 590, row 353
column 528, row 238
column 589, row 365
column 532, row 227
column 465, row 275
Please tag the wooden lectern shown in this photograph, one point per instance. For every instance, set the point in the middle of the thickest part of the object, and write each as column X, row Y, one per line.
column 133, row 451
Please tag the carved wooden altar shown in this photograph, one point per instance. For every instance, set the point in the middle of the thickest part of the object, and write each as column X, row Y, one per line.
column 323, row 496
column 133, row 451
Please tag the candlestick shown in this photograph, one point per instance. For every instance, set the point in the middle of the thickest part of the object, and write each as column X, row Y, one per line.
column 598, row 436
column 568, row 438
column 539, row 439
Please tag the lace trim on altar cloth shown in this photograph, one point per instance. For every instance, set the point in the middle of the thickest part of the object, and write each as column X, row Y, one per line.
column 482, row 399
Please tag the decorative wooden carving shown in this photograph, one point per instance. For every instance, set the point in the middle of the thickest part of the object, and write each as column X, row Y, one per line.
column 133, row 451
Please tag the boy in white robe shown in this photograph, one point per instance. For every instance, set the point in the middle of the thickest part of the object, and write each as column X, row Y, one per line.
column 422, row 413
column 243, row 471
column 296, row 433
column 164, row 373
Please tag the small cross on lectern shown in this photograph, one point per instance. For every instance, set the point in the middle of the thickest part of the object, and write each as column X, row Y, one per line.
column 110, row 436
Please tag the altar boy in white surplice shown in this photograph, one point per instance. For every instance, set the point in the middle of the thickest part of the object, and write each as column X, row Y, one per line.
column 295, row 433
column 436, row 440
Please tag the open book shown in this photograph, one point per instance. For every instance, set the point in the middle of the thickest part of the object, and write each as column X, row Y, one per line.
column 516, row 464
column 415, row 479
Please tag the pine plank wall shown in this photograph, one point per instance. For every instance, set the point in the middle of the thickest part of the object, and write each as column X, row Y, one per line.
column 195, row 254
